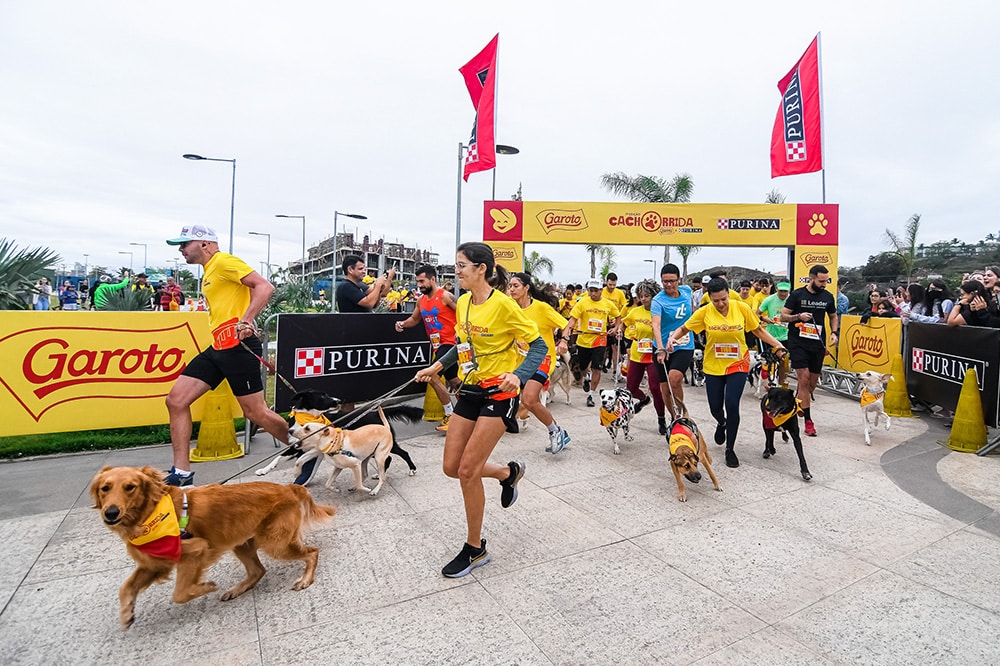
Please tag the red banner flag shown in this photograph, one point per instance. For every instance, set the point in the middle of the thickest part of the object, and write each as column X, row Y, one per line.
column 796, row 140
column 480, row 76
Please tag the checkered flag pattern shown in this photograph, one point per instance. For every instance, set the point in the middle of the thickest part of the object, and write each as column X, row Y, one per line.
column 795, row 151
column 473, row 154
column 918, row 360
column 723, row 224
column 309, row 362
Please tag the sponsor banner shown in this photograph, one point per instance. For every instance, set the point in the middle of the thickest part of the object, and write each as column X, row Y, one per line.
column 937, row 358
column 508, row 255
column 480, row 76
column 870, row 346
column 805, row 257
column 71, row 371
column 796, row 138
column 502, row 221
column 354, row 357
column 817, row 224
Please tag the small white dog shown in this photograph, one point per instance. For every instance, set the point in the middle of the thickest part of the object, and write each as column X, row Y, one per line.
column 872, row 400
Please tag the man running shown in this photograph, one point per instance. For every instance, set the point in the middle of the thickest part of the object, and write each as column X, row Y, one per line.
column 806, row 344
column 597, row 316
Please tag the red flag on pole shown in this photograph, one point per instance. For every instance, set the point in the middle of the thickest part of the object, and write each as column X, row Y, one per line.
column 480, row 76
column 796, row 140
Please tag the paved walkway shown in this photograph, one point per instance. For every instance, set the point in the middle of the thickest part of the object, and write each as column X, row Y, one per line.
column 889, row 556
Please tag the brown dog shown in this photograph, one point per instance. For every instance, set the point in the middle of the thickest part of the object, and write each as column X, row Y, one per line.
column 687, row 449
column 196, row 526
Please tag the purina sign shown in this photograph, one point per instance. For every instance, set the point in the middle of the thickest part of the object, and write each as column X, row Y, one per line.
column 937, row 358
column 354, row 357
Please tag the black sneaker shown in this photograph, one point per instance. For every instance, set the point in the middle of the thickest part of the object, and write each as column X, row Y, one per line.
column 720, row 434
column 662, row 423
column 175, row 478
column 642, row 403
column 586, row 383
column 467, row 560
column 309, row 468
column 590, row 400
column 731, row 459
column 508, row 487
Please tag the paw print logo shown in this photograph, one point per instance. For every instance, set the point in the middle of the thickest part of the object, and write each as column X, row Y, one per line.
column 817, row 224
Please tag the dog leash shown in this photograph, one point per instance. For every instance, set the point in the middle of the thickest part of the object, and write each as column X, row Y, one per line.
column 267, row 364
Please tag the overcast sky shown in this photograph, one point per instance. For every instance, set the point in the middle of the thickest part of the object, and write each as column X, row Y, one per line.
column 359, row 107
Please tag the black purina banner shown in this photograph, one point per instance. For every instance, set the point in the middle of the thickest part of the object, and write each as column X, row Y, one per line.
column 353, row 357
column 938, row 356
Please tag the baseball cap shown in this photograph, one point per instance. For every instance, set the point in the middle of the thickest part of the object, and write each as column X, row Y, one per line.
column 595, row 284
column 705, row 279
column 783, row 286
column 195, row 232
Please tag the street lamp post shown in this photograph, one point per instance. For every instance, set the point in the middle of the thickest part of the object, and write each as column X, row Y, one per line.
column 86, row 266
column 333, row 273
column 177, row 266
column 258, row 233
column 501, row 150
column 232, row 196
column 145, row 262
column 129, row 260
column 652, row 261
column 303, row 218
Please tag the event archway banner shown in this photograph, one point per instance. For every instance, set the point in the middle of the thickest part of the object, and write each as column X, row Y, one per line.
column 810, row 229
column 870, row 346
column 69, row 371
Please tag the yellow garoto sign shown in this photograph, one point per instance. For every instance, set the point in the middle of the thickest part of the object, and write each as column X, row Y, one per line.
column 66, row 371
column 870, row 346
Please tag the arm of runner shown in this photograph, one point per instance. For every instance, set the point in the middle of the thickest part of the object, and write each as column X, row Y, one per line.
column 537, row 351
column 409, row 322
column 260, row 294
column 570, row 325
column 438, row 366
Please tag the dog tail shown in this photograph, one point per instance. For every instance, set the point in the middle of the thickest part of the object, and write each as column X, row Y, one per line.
column 407, row 413
column 312, row 512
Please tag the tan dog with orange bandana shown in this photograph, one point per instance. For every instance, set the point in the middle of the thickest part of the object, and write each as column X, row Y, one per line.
column 687, row 449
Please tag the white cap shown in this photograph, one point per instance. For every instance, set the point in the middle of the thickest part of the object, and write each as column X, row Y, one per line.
column 595, row 284
column 705, row 279
column 195, row 232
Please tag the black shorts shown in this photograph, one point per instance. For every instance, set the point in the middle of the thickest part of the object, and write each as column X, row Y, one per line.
column 803, row 357
column 449, row 373
column 472, row 408
column 592, row 357
column 679, row 360
column 239, row 366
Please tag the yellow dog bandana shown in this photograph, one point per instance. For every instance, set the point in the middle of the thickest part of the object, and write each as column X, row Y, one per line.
column 607, row 418
column 867, row 397
column 302, row 418
column 160, row 534
column 781, row 418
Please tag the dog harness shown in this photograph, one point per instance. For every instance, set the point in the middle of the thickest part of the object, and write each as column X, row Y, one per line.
column 867, row 397
column 682, row 435
column 775, row 422
column 160, row 534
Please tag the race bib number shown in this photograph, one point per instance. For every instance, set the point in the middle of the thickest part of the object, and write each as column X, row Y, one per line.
column 810, row 330
column 644, row 346
column 595, row 325
column 683, row 340
column 727, row 350
column 435, row 340
column 466, row 357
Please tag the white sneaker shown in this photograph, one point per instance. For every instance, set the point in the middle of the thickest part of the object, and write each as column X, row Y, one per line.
column 557, row 441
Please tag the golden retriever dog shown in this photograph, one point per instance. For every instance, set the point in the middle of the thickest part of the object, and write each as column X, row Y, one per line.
column 164, row 527
column 687, row 449
column 349, row 449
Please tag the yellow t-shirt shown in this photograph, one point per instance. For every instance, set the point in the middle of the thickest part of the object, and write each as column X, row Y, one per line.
column 492, row 329
column 592, row 319
column 566, row 306
column 639, row 329
column 725, row 337
column 617, row 296
column 733, row 296
column 227, row 296
column 756, row 300
column 547, row 320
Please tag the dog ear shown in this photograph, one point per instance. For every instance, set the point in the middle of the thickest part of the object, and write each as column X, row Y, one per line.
column 152, row 480
column 97, row 483
column 673, row 457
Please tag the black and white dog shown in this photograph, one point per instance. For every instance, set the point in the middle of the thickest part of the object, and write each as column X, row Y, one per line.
column 617, row 410
column 316, row 406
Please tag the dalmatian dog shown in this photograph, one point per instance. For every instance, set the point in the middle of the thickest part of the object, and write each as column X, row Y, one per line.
column 617, row 410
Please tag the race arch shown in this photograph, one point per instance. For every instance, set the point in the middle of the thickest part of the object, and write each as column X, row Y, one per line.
column 810, row 231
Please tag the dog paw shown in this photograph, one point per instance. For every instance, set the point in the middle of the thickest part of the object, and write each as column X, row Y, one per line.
column 682, row 498
column 413, row 472
column 768, row 453
column 127, row 619
column 887, row 424
column 373, row 492
column 260, row 472
column 617, row 451
column 301, row 584
column 806, row 475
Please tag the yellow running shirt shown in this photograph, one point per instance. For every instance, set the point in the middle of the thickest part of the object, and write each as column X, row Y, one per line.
column 547, row 320
column 725, row 337
column 227, row 296
column 592, row 318
column 639, row 329
column 733, row 296
column 616, row 296
column 492, row 329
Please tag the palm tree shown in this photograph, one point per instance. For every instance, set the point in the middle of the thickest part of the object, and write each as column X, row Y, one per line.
column 19, row 269
column 774, row 197
column 126, row 300
column 593, row 249
column 608, row 262
column 686, row 251
column 905, row 246
column 535, row 264
column 650, row 189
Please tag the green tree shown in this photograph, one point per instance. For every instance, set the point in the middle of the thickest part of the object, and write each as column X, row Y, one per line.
column 883, row 267
column 593, row 249
column 608, row 262
column 686, row 251
column 774, row 197
column 19, row 270
column 126, row 300
column 905, row 246
column 650, row 189
column 535, row 264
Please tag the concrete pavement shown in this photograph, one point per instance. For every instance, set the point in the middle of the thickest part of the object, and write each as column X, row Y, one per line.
column 888, row 556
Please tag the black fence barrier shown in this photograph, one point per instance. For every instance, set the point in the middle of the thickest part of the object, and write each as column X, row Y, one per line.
column 353, row 357
column 936, row 360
